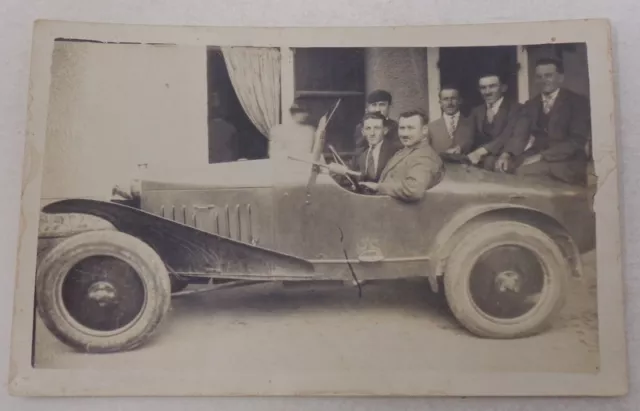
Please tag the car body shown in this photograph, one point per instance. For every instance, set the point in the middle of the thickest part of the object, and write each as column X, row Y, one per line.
column 268, row 220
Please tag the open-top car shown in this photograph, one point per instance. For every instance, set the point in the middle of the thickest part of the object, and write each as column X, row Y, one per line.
column 502, row 248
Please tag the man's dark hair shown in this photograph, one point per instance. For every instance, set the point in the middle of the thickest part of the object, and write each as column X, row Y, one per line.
column 449, row 86
column 492, row 73
column 412, row 113
column 379, row 95
column 550, row 60
column 375, row 116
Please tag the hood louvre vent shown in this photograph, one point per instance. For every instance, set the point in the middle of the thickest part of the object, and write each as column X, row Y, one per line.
column 231, row 221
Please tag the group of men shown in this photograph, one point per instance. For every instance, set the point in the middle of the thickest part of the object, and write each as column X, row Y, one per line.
column 548, row 136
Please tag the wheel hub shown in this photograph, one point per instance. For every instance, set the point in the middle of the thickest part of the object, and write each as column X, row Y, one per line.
column 103, row 293
column 508, row 281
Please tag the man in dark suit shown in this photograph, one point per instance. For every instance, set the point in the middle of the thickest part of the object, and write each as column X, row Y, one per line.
column 452, row 133
column 378, row 101
column 560, row 128
column 501, row 127
column 415, row 168
column 370, row 163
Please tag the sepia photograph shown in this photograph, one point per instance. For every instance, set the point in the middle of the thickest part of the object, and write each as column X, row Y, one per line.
column 372, row 211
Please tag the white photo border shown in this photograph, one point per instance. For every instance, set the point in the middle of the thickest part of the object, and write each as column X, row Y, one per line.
column 611, row 380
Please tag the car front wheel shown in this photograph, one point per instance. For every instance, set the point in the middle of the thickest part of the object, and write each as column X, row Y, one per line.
column 102, row 291
column 505, row 279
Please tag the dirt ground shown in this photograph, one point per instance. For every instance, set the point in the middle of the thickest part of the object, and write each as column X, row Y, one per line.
column 312, row 329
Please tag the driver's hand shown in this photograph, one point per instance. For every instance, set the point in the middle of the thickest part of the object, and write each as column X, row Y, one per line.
column 454, row 150
column 477, row 155
column 338, row 169
column 370, row 185
column 502, row 164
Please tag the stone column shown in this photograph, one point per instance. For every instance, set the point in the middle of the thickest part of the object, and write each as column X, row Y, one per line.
column 402, row 72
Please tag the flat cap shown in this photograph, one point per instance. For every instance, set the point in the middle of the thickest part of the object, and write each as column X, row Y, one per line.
column 379, row 95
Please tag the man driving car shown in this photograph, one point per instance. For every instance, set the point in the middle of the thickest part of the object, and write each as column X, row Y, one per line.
column 415, row 168
column 368, row 165
column 378, row 101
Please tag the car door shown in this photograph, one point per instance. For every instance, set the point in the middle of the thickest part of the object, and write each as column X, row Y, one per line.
column 381, row 237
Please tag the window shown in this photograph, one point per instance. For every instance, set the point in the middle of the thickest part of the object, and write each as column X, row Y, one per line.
column 462, row 66
column 226, row 114
column 324, row 75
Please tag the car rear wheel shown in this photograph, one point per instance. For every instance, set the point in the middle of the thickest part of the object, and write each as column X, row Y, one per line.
column 505, row 279
column 102, row 291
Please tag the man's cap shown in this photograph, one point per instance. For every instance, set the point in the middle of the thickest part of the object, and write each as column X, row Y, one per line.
column 379, row 95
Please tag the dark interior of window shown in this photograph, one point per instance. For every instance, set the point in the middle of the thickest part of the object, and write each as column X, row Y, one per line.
column 224, row 107
column 462, row 66
column 322, row 77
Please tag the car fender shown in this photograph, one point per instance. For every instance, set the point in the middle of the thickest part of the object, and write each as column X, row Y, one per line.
column 447, row 237
column 187, row 250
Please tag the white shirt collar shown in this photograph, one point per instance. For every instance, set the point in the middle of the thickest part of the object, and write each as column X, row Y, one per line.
column 452, row 116
column 496, row 105
column 552, row 96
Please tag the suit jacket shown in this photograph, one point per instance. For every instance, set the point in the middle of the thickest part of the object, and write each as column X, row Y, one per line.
column 391, row 137
column 569, row 127
column 441, row 141
column 510, row 129
column 411, row 172
column 359, row 163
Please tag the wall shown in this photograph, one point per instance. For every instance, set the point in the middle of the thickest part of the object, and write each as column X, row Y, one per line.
column 402, row 72
column 115, row 106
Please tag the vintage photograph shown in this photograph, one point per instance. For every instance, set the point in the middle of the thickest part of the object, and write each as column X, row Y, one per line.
column 310, row 211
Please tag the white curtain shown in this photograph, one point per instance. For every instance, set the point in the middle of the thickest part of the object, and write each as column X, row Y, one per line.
column 255, row 75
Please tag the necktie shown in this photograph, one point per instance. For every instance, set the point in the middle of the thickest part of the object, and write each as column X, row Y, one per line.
column 490, row 113
column 452, row 125
column 370, row 168
column 546, row 104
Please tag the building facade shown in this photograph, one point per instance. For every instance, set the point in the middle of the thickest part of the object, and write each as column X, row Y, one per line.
column 116, row 108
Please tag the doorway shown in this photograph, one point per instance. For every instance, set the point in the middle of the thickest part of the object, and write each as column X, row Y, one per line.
column 461, row 66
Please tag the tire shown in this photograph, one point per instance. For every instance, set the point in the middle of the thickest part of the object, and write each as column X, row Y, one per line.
column 102, row 291
column 505, row 279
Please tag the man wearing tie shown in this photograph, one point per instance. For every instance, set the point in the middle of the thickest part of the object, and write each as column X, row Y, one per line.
column 415, row 168
column 560, row 128
column 374, row 158
column 452, row 133
column 378, row 101
column 501, row 127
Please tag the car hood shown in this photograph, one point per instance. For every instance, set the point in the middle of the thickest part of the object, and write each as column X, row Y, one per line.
column 237, row 174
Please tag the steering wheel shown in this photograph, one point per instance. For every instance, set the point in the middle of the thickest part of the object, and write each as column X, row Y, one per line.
column 336, row 157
